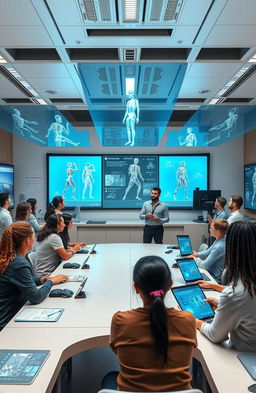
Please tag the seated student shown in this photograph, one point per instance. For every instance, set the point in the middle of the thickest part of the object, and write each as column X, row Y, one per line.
column 234, row 204
column 55, row 206
column 17, row 284
column 65, row 235
column 212, row 259
column 5, row 217
column 153, row 344
column 23, row 211
column 235, row 310
column 32, row 218
column 50, row 250
column 220, row 212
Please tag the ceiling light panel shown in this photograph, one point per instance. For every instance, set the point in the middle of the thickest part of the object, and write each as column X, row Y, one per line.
column 162, row 11
column 130, row 11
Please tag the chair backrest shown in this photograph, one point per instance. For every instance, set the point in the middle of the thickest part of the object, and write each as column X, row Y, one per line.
column 180, row 391
column 32, row 259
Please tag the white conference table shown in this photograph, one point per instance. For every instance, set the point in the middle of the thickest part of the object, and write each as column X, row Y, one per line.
column 85, row 323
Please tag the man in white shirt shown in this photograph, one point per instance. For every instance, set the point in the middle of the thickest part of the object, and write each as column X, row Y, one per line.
column 5, row 217
column 234, row 204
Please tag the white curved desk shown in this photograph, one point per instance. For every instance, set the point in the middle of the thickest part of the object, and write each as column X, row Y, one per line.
column 85, row 323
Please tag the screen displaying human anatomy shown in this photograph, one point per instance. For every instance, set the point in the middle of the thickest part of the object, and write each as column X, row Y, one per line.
column 128, row 180
column 7, row 181
column 250, row 186
column 179, row 175
column 77, row 178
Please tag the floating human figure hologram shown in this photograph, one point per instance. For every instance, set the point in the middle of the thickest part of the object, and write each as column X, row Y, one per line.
column 58, row 128
column 182, row 179
column 131, row 117
column 25, row 125
column 190, row 139
column 253, row 186
column 87, row 179
column 225, row 128
column 134, row 173
column 69, row 180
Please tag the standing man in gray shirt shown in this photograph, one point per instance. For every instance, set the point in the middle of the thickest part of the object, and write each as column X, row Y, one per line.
column 155, row 214
column 5, row 217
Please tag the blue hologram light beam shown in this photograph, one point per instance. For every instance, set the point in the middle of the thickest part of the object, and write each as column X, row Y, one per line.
column 141, row 118
column 41, row 124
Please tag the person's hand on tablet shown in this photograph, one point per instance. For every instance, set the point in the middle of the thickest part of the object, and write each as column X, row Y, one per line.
column 199, row 323
column 210, row 285
column 212, row 301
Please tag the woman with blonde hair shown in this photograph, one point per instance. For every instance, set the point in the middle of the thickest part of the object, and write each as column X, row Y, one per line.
column 17, row 283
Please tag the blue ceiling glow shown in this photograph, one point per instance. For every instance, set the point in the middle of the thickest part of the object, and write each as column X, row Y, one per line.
column 213, row 125
column 149, row 108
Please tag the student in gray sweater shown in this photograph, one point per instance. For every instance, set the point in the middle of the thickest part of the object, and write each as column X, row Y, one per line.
column 235, row 316
column 17, row 283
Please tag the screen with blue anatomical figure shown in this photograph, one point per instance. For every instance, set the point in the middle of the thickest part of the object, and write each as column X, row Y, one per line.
column 77, row 178
column 6, row 181
column 250, row 186
column 179, row 175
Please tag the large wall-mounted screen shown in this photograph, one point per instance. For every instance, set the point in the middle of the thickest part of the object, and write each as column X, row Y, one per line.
column 250, row 186
column 7, row 181
column 77, row 177
column 125, row 181
column 128, row 180
column 179, row 176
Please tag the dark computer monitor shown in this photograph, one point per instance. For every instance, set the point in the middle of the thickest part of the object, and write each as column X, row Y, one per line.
column 205, row 199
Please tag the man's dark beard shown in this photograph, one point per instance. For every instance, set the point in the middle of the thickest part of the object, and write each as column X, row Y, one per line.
column 154, row 198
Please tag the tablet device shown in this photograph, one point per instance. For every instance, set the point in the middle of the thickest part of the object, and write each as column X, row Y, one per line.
column 185, row 245
column 248, row 360
column 190, row 271
column 80, row 293
column 20, row 367
column 83, row 266
column 190, row 298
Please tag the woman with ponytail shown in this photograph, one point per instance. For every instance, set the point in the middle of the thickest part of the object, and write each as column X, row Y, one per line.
column 17, row 284
column 55, row 206
column 153, row 344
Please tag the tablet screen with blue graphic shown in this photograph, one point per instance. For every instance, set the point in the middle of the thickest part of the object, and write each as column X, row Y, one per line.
column 184, row 244
column 78, row 178
column 189, row 269
column 190, row 298
column 179, row 176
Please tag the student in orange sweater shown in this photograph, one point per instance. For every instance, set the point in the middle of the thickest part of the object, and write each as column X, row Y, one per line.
column 153, row 344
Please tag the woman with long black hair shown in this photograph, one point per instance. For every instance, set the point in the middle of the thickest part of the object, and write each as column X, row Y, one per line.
column 235, row 315
column 153, row 343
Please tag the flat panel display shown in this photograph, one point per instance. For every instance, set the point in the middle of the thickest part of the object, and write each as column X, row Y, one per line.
column 128, row 180
column 76, row 177
column 179, row 175
column 7, row 181
column 250, row 186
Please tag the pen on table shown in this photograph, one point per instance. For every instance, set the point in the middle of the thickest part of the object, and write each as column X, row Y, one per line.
column 55, row 312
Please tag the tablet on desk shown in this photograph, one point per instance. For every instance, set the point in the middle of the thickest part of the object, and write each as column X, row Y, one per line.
column 20, row 367
column 190, row 271
column 185, row 245
column 79, row 293
column 190, row 298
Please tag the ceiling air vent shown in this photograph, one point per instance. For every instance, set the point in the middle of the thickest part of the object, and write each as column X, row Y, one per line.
column 130, row 54
column 102, row 11
column 162, row 11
